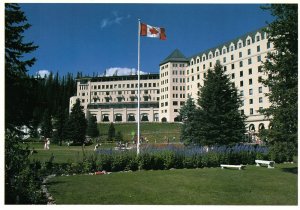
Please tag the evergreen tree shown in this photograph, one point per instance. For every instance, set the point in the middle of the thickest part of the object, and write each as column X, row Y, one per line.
column 92, row 127
column 18, row 85
column 219, row 121
column 188, row 114
column 119, row 137
column 111, row 132
column 76, row 125
column 22, row 176
column 282, row 68
column 60, row 121
column 46, row 125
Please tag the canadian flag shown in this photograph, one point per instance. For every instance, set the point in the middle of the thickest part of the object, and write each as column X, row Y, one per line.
column 151, row 31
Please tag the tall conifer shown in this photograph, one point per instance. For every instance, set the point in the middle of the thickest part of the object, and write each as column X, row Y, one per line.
column 219, row 121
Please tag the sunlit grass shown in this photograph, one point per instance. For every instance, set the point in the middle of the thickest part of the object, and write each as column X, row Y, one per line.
column 252, row 186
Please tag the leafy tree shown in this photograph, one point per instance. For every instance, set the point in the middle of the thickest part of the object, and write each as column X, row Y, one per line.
column 282, row 68
column 92, row 127
column 218, row 119
column 111, row 132
column 46, row 125
column 188, row 129
column 18, row 85
column 23, row 177
column 76, row 124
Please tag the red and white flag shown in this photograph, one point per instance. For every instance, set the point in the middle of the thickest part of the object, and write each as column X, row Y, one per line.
column 151, row 31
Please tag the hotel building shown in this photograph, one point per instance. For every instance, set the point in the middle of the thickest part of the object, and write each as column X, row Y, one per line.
column 114, row 98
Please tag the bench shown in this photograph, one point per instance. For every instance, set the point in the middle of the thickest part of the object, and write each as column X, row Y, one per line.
column 265, row 162
column 233, row 166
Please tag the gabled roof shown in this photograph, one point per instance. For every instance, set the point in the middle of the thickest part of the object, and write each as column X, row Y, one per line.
column 234, row 41
column 175, row 56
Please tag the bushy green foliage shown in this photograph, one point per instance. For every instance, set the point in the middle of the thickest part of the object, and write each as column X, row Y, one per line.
column 92, row 127
column 23, row 177
column 111, row 132
column 46, row 125
column 219, row 121
column 189, row 127
column 76, row 125
column 161, row 160
column 282, row 68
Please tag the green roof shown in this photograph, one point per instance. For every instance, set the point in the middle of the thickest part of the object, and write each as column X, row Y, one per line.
column 175, row 56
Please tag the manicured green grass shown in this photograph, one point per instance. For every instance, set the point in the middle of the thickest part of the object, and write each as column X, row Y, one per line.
column 158, row 132
column 252, row 186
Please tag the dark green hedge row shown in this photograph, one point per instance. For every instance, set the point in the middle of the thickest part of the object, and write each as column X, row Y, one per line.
column 147, row 161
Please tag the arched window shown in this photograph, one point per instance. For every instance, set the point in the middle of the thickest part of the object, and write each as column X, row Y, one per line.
column 131, row 117
column 251, row 127
column 105, row 118
column 231, row 47
column 118, row 117
column 224, row 50
column 144, row 117
column 177, row 118
column 240, row 44
column 258, row 37
column 261, row 126
column 164, row 119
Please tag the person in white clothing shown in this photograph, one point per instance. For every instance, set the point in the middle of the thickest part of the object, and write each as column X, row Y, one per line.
column 48, row 143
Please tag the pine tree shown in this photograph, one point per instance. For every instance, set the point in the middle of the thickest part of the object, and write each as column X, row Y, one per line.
column 46, row 125
column 119, row 137
column 59, row 123
column 219, row 121
column 22, row 176
column 188, row 114
column 76, row 125
column 282, row 68
column 111, row 132
column 18, row 85
column 92, row 127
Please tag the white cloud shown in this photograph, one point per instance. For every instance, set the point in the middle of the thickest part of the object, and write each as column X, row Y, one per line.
column 119, row 71
column 116, row 19
column 42, row 73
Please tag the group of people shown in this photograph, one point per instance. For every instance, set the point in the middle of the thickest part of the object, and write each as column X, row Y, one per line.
column 46, row 143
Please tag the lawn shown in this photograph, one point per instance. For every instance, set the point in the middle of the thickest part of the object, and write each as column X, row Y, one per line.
column 208, row 186
column 154, row 132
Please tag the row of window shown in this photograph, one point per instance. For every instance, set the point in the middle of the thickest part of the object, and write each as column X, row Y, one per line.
column 241, row 64
column 224, row 51
column 120, row 99
column 179, row 88
column 131, row 85
column 181, row 80
column 251, row 111
column 260, row 100
column 121, row 92
column 251, row 91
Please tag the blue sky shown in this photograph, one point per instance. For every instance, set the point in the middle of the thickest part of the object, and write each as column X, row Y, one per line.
column 94, row 37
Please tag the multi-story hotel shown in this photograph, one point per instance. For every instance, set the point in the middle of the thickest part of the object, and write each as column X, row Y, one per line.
column 114, row 98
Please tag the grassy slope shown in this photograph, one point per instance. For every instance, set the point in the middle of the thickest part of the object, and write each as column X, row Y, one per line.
column 255, row 185
column 153, row 131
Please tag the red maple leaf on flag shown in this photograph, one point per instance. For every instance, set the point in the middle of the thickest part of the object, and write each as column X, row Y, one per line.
column 153, row 31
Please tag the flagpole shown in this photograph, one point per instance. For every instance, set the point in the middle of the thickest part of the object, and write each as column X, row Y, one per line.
column 138, row 118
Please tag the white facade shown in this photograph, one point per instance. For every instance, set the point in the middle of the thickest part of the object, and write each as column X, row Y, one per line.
column 115, row 98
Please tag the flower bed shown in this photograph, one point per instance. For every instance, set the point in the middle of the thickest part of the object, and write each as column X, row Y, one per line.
column 160, row 157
